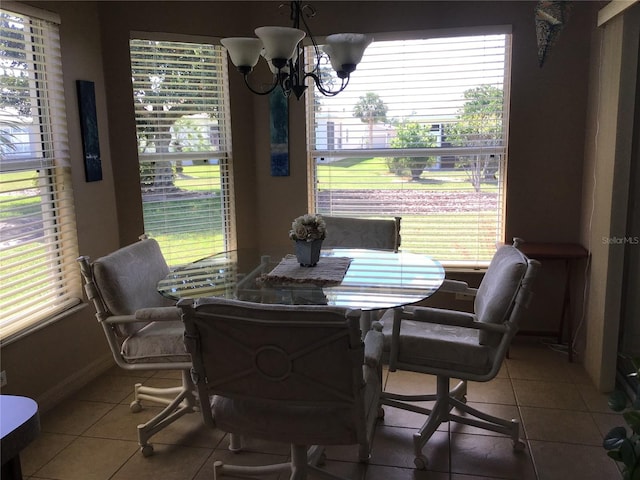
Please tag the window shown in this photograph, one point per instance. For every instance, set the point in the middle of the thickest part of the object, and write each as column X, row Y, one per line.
column 39, row 277
column 420, row 133
column 182, row 123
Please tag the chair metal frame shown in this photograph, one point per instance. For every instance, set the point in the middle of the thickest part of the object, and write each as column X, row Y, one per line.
column 228, row 340
column 446, row 398
column 177, row 401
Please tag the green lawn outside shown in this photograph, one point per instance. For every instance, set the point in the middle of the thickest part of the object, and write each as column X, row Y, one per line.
column 181, row 235
column 374, row 171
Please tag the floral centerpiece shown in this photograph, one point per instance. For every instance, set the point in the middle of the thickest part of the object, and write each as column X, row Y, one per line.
column 308, row 231
column 308, row 228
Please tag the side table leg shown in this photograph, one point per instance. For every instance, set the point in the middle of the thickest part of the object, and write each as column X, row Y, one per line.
column 566, row 312
column 12, row 470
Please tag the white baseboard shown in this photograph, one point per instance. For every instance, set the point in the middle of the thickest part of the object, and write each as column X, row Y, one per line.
column 73, row 383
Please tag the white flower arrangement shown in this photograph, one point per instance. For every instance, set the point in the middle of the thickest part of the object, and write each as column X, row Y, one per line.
column 308, row 228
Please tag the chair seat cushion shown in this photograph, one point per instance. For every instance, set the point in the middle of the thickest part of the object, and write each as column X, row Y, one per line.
column 440, row 347
column 300, row 425
column 157, row 342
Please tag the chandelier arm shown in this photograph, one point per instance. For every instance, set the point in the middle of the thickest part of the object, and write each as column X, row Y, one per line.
column 326, row 92
column 261, row 92
column 318, row 53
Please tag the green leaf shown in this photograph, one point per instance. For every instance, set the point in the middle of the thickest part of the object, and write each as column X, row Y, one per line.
column 628, row 453
column 615, row 454
column 633, row 419
column 614, row 438
column 617, row 401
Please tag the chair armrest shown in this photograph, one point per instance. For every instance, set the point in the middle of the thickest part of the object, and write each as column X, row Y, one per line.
column 161, row 314
column 457, row 286
column 447, row 317
column 120, row 319
column 373, row 346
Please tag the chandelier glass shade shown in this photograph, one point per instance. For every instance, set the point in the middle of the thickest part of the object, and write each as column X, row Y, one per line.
column 283, row 51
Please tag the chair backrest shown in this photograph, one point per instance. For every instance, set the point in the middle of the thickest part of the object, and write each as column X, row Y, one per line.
column 281, row 355
column 349, row 232
column 504, row 290
column 126, row 281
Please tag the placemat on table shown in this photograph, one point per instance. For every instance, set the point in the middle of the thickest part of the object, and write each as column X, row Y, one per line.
column 329, row 271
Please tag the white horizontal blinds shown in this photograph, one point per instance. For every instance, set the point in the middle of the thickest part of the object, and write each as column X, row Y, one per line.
column 182, row 125
column 39, row 276
column 420, row 132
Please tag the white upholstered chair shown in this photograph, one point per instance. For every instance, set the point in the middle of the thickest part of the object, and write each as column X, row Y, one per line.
column 143, row 329
column 460, row 345
column 294, row 374
column 350, row 232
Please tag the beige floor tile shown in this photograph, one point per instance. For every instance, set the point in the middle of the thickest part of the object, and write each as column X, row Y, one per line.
column 533, row 393
column 169, row 462
column 109, row 389
column 575, row 462
column 394, row 447
column 255, row 445
column 503, row 372
column 410, row 383
column 490, row 457
column 118, row 371
column 498, row 390
column 43, row 449
column 596, row 401
column 173, row 374
column 460, row 476
column 560, row 426
column 396, row 417
column 578, row 373
column 527, row 369
column 73, row 417
column 242, row 458
column 189, row 430
column 352, row 470
column 121, row 423
column 378, row 472
column 539, row 376
column 89, row 459
column 607, row 421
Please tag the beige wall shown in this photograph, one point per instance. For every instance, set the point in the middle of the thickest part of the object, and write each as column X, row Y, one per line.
column 546, row 139
column 608, row 141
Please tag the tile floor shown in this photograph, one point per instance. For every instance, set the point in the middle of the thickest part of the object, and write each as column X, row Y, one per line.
column 93, row 437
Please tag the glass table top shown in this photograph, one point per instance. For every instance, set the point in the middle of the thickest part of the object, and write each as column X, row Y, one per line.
column 375, row 279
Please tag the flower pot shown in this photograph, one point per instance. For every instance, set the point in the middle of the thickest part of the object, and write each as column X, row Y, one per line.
column 308, row 253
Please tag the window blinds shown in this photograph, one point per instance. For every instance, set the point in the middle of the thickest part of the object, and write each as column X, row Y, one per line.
column 182, row 126
column 420, row 133
column 39, row 276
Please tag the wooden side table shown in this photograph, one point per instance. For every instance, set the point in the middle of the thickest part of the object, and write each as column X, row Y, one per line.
column 19, row 426
column 569, row 253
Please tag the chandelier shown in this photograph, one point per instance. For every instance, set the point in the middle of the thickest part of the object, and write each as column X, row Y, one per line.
column 281, row 47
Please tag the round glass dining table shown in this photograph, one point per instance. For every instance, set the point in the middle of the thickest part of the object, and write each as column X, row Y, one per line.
column 362, row 279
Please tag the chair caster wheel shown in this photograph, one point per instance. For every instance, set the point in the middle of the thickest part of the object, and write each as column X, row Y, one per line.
column 420, row 462
column 135, row 406
column 518, row 446
column 380, row 413
column 147, row 450
column 322, row 460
